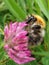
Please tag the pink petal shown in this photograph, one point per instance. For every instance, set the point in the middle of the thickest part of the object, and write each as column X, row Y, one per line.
column 21, row 47
column 20, row 60
column 6, row 47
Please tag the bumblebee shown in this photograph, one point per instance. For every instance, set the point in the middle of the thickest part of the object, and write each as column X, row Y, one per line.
column 36, row 29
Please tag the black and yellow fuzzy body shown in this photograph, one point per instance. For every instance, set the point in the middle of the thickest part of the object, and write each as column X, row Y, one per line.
column 36, row 29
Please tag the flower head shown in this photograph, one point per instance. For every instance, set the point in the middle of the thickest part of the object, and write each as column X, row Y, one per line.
column 16, row 42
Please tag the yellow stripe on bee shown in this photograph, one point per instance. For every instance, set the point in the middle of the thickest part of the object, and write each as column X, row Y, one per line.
column 40, row 21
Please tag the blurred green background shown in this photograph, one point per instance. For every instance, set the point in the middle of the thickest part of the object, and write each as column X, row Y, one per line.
column 18, row 10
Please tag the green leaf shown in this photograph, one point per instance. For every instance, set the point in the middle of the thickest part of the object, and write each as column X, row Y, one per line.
column 47, row 36
column 1, row 31
column 2, row 7
column 48, row 4
column 45, row 60
column 8, row 17
column 45, row 4
column 15, row 9
column 32, row 63
column 41, row 53
column 22, row 4
column 37, row 8
column 43, row 8
column 10, row 62
column 29, row 5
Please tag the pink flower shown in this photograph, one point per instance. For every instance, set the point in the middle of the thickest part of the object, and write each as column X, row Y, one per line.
column 16, row 43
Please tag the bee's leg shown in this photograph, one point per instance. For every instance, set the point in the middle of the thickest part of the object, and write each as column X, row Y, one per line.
column 30, row 40
column 27, row 34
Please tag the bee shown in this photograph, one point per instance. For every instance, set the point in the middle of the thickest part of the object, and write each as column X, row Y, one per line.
column 36, row 29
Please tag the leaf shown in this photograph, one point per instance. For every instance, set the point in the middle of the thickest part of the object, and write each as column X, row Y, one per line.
column 2, row 7
column 32, row 63
column 15, row 9
column 1, row 55
column 43, row 8
column 10, row 62
column 22, row 4
column 45, row 60
column 29, row 5
column 48, row 4
column 47, row 36
column 1, row 31
column 45, row 4
column 41, row 53
column 8, row 17
column 37, row 8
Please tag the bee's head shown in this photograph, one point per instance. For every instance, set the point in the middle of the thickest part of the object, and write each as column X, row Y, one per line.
column 31, row 19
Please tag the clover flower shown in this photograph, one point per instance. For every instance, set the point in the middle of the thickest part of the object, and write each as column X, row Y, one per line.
column 16, row 43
